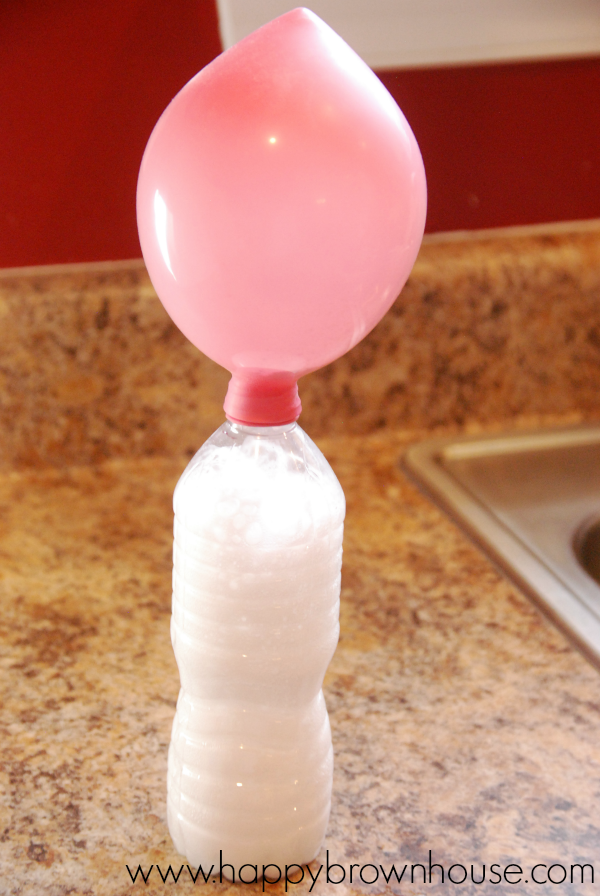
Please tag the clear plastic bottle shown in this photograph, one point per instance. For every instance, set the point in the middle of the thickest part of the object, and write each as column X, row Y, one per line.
column 259, row 520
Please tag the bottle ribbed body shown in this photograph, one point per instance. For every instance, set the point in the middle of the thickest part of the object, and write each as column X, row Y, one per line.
column 256, row 583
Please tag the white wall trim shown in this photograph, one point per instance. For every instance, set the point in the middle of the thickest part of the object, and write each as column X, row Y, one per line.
column 392, row 34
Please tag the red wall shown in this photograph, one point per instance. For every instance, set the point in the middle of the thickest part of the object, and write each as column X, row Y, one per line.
column 82, row 83
column 506, row 144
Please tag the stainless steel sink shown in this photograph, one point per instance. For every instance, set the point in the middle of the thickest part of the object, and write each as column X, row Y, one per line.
column 532, row 502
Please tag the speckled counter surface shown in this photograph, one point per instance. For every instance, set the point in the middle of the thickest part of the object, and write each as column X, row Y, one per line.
column 463, row 722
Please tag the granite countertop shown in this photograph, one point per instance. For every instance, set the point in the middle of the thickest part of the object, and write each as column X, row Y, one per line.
column 463, row 722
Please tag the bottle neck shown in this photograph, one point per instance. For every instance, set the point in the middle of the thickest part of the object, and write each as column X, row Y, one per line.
column 262, row 398
column 243, row 429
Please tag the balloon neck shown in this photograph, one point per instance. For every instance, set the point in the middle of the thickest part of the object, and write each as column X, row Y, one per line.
column 262, row 398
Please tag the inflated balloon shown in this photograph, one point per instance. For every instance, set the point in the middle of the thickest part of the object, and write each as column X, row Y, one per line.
column 281, row 206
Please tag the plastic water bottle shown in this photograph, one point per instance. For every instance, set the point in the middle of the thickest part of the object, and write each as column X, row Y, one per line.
column 257, row 559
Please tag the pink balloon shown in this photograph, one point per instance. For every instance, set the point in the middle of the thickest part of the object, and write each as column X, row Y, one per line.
column 281, row 205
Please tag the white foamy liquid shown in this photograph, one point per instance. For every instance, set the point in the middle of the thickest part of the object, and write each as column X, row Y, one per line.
column 256, row 583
